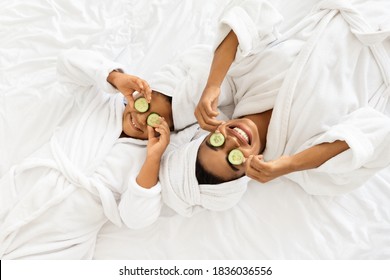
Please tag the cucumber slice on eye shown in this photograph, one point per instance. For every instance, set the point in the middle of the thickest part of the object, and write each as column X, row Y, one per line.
column 236, row 157
column 141, row 105
column 153, row 119
column 217, row 139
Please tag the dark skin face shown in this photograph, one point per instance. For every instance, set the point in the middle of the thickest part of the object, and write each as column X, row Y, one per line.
column 134, row 123
column 249, row 138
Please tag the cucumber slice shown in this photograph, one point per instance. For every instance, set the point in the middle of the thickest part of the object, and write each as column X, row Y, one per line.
column 153, row 119
column 141, row 105
column 217, row 139
column 236, row 157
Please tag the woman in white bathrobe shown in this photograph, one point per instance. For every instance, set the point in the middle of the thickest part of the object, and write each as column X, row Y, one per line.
column 306, row 101
column 249, row 132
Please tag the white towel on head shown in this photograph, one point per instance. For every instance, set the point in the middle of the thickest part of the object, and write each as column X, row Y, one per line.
column 180, row 188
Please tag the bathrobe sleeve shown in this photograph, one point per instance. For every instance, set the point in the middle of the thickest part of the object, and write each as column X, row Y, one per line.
column 367, row 133
column 86, row 68
column 255, row 24
column 140, row 207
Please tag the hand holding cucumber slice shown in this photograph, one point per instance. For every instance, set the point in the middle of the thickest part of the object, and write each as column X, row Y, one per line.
column 153, row 119
column 236, row 157
column 141, row 105
column 217, row 139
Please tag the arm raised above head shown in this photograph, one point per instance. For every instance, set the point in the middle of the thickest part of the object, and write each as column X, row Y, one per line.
column 224, row 55
column 244, row 30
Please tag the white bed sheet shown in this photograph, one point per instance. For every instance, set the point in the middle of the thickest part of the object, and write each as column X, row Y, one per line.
column 277, row 220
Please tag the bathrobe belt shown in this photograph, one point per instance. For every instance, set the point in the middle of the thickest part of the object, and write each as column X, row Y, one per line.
column 76, row 177
column 28, row 208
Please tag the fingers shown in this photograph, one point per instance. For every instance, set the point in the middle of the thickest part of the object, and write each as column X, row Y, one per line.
column 206, row 111
column 256, row 168
column 163, row 127
column 164, row 131
column 206, row 121
column 150, row 132
column 142, row 87
column 257, row 163
column 145, row 89
column 128, row 84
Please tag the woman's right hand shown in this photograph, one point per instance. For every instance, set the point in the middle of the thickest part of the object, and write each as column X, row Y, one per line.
column 263, row 172
column 128, row 84
column 206, row 111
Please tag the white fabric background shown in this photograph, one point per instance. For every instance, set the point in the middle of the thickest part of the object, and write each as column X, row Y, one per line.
column 277, row 220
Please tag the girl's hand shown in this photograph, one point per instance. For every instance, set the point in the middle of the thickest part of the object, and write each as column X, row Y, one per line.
column 206, row 110
column 157, row 144
column 261, row 171
column 128, row 84
column 148, row 175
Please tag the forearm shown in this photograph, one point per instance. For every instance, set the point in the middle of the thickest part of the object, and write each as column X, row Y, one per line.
column 317, row 155
column 148, row 175
column 223, row 58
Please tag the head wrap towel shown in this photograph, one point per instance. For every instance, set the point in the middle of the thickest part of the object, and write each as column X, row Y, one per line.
column 180, row 188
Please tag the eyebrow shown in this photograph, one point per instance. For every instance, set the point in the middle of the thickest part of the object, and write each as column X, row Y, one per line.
column 211, row 146
column 235, row 169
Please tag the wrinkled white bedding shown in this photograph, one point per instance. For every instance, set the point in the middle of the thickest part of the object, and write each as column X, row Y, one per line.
column 277, row 220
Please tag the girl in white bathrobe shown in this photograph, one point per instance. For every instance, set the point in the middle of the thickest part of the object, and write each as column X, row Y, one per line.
column 53, row 203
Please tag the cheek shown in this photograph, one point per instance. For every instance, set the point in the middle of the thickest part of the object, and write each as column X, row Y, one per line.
column 126, row 128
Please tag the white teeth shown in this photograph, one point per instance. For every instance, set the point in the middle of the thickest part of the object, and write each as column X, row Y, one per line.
column 132, row 120
column 242, row 133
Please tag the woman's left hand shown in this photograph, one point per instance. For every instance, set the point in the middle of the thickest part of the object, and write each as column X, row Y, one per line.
column 261, row 171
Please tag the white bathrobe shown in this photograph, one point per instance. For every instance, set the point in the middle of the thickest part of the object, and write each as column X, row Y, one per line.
column 332, row 87
column 329, row 101
column 53, row 203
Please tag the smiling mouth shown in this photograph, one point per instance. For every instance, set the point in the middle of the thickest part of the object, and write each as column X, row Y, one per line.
column 243, row 135
column 133, row 122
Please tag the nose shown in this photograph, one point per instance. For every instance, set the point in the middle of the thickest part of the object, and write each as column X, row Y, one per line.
column 141, row 118
column 231, row 141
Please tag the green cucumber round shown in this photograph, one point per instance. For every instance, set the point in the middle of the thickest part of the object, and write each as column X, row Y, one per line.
column 141, row 105
column 236, row 157
column 217, row 139
column 153, row 119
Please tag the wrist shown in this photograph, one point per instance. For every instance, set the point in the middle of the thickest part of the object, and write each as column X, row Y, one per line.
column 289, row 164
column 295, row 163
column 213, row 85
column 113, row 76
column 148, row 175
column 153, row 160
